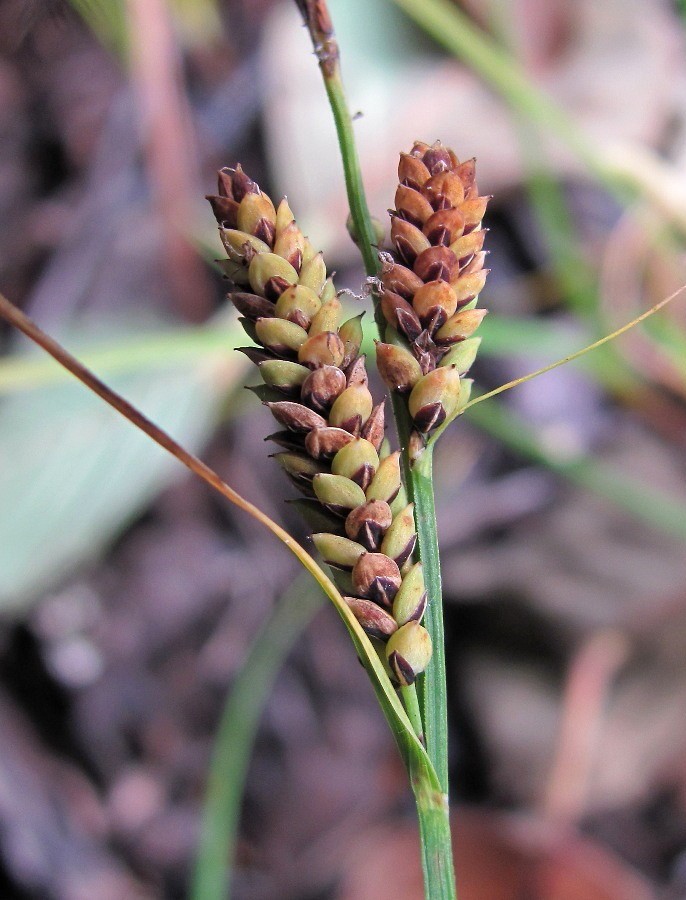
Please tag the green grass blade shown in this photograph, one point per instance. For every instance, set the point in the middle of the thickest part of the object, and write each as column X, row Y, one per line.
column 236, row 736
column 128, row 354
column 601, row 343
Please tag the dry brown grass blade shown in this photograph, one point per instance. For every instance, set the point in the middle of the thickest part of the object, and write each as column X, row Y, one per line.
column 412, row 751
column 572, row 356
column 21, row 321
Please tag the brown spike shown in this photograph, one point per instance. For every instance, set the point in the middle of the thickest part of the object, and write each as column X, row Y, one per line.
column 295, row 416
column 377, row 577
column 419, row 148
column 368, row 523
column 265, row 231
column 241, row 184
column 256, row 354
column 412, row 206
column 467, row 172
column 434, row 303
column 224, row 182
column 444, row 190
column 251, row 305
column 322, row 386
column 400, row 280
column 438, row 159
column 398, row 367
column 325, row 442
column 408, row 239
column 444, row 226
column 289, row 440
column 376, row 622
column 473, row 212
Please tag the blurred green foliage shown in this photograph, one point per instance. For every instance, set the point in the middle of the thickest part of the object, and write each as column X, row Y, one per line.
column 73, row 472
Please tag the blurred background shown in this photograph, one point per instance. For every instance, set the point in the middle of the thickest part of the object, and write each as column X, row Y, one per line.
column 133, row 601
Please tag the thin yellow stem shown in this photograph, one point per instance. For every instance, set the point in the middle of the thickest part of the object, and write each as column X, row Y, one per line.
column 572, row 356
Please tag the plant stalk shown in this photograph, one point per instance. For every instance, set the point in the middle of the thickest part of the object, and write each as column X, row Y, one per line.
column 433, row 694
column 432, row 683
column 432, row 808
column 357, row 198
column 236, row 736
column 410, row 700
column 434, row 834
column 418, row 477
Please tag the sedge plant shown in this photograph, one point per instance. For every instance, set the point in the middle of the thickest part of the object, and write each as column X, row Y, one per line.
column 371, row 508
column 378, row 605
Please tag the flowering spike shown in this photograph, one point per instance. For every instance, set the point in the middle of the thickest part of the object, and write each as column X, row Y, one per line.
column 387, row 481
column 462, row 355
column 337, row 551
column 377, row 577
column 431, row 282
column 410, row 601
column 358, row 460
column 375, row 621
column 316, row 385
column 400, row 539
column 321, row 387
column 283, row 375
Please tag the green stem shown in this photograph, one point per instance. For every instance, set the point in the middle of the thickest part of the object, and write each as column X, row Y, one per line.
column 434, row 833
column 432, row 806
column 410, row 700
column 432, row 684
column 433, row 694
column 236, row 736
column 357, row 198
column 418, row 478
